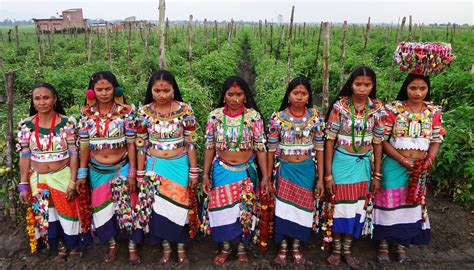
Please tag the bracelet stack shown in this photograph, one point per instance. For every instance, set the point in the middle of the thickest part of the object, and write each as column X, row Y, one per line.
column 194, row 172
column 132, row 172
column 141, row 175
column 23, row 186
column 82, row 173
column 328, row 178
column 377, row 176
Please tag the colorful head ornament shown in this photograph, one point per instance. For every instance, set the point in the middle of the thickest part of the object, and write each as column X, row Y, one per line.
column 423, row 58
column 118, row 93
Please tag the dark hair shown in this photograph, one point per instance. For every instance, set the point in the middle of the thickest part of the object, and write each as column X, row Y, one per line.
column 103, row 75
column 249, row 100
column 403, row 93
column 58, row 107
column 346, row 90
column 301, row 80
column 165, row 76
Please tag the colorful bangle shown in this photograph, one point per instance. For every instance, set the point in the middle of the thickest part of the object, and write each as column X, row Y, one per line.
column 23, row 187
column 82, row 173
column 328, row 178
column 72, row 152
column 132, row 172
column 25, row 154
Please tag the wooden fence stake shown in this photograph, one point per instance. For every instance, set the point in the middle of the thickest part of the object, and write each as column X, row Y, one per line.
column 161, row 50
column 343, row 55
column 325, row 66
column 288, row 77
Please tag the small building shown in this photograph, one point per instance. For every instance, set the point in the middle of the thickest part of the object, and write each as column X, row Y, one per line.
column 101, row 27
column 69, row 19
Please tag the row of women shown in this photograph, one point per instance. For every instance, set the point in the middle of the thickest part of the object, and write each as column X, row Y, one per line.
column 140, row 164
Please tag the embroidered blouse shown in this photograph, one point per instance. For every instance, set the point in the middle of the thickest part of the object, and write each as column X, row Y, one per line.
column 252, row 136
column 62, row 138
column 289, row 136
column 166, row 131
column 339, row 125
column 115, row 130
column 405, row 130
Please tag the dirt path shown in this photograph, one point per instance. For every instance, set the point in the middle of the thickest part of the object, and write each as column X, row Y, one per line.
column 246, row 70
column 452, row 247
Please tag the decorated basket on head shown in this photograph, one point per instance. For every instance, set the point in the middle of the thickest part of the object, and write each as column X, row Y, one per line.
column 423, row 58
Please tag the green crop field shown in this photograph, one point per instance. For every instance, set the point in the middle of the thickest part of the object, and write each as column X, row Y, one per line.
column 62, row 60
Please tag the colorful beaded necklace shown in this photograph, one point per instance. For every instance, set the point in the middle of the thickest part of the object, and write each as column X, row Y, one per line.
column 239, row 135
column 364, row 124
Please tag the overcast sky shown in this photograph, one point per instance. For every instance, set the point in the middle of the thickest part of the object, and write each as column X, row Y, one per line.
column 355, row 11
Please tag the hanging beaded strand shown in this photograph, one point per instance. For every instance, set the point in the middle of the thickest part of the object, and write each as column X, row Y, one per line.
column 364, row 125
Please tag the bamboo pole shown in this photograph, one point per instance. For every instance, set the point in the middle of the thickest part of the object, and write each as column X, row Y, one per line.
column 231, row 29
column 17, row 40
column 280, row 41
column 217, row 34
column 325, row 66
column 129, row 44
column 271, row 39
column 40, row 46
column 167, row 42
column 288, row 77
column 107, row 44
column 304, row 35
column 89, row 46
column 265, row 38
column 319, row 43
column 343, row 54
column 366, row 37
column 410, row 34
column 399, row 34
column 206, row 41
column 190, row 46
column 161, row 51
column 147, row 49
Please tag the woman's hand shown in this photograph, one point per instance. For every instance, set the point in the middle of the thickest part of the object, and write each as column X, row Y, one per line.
column 24, row 197
column 132, row 184
column 374, row 187
column 330, row 185
column 71, row 192
column 193, row 182
column 319, row 189
column 80, row 185
column 266, row 186
column 206, row 184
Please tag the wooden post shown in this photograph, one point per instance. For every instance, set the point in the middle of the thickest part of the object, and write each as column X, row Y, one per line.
column 410, row 34
column 399, row 34
column 89, row 45
column 17, row 40
column 265, row 38
column 231, row 28
column 40, row 45
column 206, row 42
column 325, row 66
column 343, row 55
column 9, row 146
column 288, row 77
column 271, row 39
column 304, row 35
column 147, row 50
column 129, row 48
column 161, row 51
column 217, row 34
column 280, row 41
column 319, row 43
column 447, row 31
column 367, row 29
column 190, row 46
column 167, row 41
column 107, row 44
column 260, row 31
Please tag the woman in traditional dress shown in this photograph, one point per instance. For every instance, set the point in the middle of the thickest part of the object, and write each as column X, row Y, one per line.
column 354, row 129
column 108, row 159
column 413, row 133
column 48, row 166
column 167, row 162
column 235, row 137
column 295, row 142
